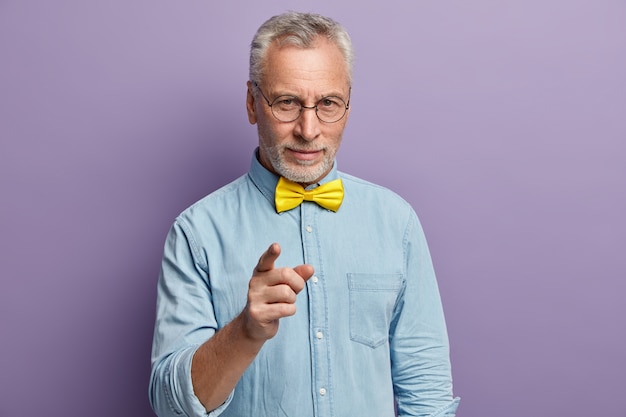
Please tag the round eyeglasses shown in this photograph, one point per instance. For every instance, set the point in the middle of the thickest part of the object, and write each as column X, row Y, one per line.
column 288, row 108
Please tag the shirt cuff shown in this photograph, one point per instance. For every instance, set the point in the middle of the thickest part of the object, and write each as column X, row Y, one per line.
column 448, row 410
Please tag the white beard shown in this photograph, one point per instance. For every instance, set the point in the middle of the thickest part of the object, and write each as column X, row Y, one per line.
column 305, row 172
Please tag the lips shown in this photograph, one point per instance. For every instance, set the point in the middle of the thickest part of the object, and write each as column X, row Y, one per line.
column 305, row 155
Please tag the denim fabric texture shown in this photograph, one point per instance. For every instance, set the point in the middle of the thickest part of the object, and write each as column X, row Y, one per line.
column 369, row 336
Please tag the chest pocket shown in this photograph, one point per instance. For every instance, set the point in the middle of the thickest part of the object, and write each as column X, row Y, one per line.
column 372, row 299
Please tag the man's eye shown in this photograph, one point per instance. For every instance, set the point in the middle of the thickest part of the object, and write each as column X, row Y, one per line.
column 286, row 102
column 328, row 103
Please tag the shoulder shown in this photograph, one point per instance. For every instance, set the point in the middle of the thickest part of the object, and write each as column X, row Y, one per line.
column 373, row 194
column 218, row 200
column 384, row 211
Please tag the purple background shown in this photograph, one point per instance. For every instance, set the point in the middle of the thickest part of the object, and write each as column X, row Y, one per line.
column 503, row 123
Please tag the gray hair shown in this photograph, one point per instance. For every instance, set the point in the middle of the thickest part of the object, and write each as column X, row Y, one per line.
column 299, row 29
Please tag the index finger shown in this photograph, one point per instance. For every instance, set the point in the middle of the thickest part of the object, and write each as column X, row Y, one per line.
column 266, row 261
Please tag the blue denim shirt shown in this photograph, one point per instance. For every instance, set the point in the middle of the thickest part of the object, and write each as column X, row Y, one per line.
column 368, row 337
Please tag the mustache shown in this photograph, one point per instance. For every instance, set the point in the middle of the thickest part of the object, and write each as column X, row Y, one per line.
column 305, row 147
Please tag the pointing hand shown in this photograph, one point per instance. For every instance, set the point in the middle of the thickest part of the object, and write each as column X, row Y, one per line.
column 272, row 294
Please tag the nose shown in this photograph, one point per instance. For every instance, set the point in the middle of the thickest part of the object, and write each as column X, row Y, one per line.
column 308, row 125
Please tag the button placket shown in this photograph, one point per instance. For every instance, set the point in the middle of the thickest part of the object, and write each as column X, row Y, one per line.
column 317, row 309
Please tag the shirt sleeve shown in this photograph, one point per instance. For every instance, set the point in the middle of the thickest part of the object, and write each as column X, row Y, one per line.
column 419, row 346
column 184, row 320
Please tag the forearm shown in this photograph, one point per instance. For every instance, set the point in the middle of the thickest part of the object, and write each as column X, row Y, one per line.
column 195, row 366
column 197, row 379
column 220, row 362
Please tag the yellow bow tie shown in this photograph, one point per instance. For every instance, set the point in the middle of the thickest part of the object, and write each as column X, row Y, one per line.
column 289, row 195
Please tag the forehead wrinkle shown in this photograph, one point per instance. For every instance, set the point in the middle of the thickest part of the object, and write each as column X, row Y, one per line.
column 306, row 73
column 299, row 89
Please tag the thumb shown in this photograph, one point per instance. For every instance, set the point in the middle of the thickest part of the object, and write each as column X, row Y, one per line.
column 266, row 261
column 305, row 271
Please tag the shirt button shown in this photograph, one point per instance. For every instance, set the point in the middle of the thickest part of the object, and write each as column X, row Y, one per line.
column 314, row 279
column 319, row 335
column 309, row 229
column 322, row 391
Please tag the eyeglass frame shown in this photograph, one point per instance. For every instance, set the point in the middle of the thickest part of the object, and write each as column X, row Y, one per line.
column 302, row 106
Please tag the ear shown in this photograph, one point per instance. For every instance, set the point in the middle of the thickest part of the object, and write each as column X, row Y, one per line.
column 250, row 102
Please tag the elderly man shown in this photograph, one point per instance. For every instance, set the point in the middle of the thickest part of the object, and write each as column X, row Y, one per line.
column 340, row 315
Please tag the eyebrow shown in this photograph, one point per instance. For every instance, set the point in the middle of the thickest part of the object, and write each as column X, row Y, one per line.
column 317, row 99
